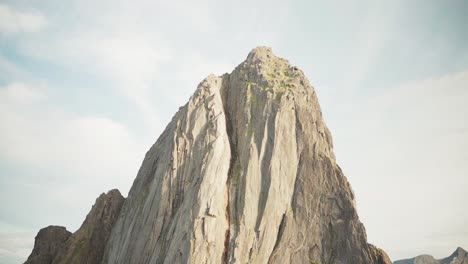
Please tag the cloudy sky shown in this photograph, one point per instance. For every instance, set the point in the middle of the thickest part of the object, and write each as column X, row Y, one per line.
column 87, row 86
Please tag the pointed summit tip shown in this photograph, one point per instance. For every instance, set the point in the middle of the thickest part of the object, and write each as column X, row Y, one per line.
column 260, row 53
column 261, row 49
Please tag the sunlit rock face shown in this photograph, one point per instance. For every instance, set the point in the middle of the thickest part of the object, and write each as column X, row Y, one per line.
column 244, row 173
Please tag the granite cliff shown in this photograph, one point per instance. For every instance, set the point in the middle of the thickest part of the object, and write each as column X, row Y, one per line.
column 244, row 173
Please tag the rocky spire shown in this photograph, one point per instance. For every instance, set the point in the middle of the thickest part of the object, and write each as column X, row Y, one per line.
column 244, row 173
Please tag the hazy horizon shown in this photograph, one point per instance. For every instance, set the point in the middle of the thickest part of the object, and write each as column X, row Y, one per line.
column 87, row 87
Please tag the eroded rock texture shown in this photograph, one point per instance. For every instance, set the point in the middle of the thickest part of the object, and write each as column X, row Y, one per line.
column 244, row 173
column 55, row 245
column 47, row 243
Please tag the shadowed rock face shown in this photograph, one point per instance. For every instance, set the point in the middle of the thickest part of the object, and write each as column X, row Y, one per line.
column 47, row 243
column 55, row 245
column 87, row 244
column 459, row 256
column 244, row 173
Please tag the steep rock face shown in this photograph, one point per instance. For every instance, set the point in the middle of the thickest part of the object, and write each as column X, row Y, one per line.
column 47, row 243
column 244, row 173
column 55, row 245
column 459, row 256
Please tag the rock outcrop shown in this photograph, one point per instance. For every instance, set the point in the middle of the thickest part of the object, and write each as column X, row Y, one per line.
column 87, row 244
column 378, row 255
column 459, row 256
column 244, row 173
column 55, row 245
column 47, row 244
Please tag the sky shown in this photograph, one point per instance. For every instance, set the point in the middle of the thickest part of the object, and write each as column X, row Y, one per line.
column 87, row 86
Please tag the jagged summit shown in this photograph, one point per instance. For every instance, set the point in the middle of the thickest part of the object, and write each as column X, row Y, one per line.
column 460, row 250
column 459, row 256
column 271, row 71
column 260, row 54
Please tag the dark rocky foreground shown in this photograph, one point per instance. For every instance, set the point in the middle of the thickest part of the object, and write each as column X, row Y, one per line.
column 55, row 245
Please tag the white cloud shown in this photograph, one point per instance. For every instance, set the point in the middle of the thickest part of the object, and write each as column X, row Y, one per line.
column 127, row 59
column 16, row 21
column 19, row 94
column 66, row 161
column 8, row 69
column 39, row 135
column 193, row 70
column 15, row 247
column 375, row 29
column 132, row 46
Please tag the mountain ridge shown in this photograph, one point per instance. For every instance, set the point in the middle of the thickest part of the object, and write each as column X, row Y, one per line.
column 459, row 256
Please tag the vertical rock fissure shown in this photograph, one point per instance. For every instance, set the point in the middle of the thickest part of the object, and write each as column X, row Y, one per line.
column 229, row 131
column 278, row 237
column 225, row 256
column 265, row 169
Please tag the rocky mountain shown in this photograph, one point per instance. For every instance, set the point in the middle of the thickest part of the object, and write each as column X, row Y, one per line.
column 55, row 245
column 244, row 173
column 47, row 244
column 459, row 256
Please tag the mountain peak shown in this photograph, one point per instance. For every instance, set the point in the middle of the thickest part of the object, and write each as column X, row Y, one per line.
column 260, row 53
column 244, row 173
column 459, row 252
column 460, row 249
